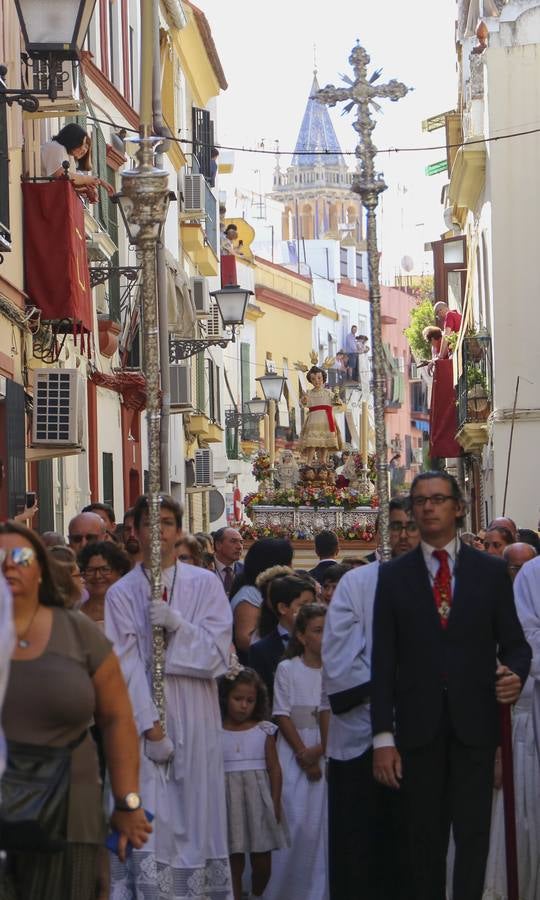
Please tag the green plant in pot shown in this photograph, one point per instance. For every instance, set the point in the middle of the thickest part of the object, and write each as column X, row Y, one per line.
column 478, row 405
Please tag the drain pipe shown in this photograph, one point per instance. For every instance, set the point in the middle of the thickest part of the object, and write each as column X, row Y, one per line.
column 161, row 270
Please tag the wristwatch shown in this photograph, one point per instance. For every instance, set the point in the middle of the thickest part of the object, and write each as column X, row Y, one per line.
column 129, row 803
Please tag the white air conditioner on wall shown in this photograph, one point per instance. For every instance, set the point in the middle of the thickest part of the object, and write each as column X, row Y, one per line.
column 200, row 296
column 214, row 325
column 204, row 470
column 194, row 194
column 181, row 388
column 58, row 414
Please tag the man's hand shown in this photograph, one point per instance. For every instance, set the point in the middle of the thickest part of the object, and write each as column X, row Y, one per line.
column 507, row 686
column 155, row 733
column 159, row 752
column 387, row 766
column 133, row 828
column 313, row 773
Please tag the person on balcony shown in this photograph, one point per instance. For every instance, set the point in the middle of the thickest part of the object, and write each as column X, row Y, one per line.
column 73, row 145
column 449, row 321
column 351, row 348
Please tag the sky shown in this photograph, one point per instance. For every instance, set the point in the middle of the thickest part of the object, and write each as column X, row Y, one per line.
column 268, row 49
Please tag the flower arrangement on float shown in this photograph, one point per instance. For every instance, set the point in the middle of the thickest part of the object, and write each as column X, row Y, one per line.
column 355, row 532
column 310, row 495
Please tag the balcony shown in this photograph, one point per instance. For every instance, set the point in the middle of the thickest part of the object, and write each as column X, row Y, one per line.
column 474, row 391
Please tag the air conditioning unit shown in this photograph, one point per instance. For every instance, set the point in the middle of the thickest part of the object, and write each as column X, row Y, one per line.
column 200, row 296
column 181, row 388
column 418, row 455
column 204, row 470
column 59, row 408
column 214, row 325
column 67, row 103
column 194, row 194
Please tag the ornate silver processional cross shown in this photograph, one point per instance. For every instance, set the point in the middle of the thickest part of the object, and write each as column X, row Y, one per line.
column 363, row 93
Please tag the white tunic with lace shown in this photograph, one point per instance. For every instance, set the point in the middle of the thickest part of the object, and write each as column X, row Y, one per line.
column 186, row 857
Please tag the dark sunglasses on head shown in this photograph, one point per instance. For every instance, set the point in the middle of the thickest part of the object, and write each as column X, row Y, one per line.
column 78, row 538
column 19, row 556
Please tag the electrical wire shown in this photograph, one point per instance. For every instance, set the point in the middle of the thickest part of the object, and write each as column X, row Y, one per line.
column 387, row 150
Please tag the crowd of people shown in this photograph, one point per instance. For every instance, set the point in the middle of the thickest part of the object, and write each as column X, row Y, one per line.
column 330, row 734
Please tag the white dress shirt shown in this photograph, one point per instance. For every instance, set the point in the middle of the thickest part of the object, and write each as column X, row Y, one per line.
column 386, row 738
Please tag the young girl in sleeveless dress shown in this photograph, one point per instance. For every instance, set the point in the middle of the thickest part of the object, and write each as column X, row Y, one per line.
column 252, row 779
column 300, row 872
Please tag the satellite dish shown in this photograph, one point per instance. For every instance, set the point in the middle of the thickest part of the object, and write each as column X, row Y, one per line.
column 217, row 505
column 407, row 263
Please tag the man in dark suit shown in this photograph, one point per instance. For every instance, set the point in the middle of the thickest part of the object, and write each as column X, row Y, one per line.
column 228, row 547
column 447, row 649
column 327, row 549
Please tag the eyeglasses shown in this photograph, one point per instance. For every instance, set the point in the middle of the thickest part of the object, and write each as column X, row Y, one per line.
column 96, row 571
column 18, row 556
column 78, row 538
column 436, row 499
column 184, row 557
column 398, row 527
column 515, row 568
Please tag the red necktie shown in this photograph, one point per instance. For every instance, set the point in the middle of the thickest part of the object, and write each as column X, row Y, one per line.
column 228, row 579
column 442, row 587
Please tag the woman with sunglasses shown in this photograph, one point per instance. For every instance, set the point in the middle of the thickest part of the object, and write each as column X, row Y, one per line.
column 63, row 673
column 101, row 565
column 189, row 550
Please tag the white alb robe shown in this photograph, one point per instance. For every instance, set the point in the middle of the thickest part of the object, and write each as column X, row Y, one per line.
column 7, row 641
column 186, row 856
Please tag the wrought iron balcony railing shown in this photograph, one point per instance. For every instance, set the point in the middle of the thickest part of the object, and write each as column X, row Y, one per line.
column 475, row 383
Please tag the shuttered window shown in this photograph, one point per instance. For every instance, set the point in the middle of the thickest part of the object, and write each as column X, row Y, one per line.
column 5, row 237
column 15, row 441
column 108, row 478
column 245, row 379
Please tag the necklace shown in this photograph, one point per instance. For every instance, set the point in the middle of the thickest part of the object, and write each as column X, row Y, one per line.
column 22, row 640
column 165, row 597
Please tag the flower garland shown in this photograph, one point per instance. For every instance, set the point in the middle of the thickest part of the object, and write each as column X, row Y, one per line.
column 310, row 495
column 355, row 532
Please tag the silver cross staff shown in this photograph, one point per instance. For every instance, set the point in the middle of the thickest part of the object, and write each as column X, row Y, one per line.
column 361, row 93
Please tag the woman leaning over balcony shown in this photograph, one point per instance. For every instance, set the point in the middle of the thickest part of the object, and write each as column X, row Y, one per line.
column 73, row 145
column 63, row 672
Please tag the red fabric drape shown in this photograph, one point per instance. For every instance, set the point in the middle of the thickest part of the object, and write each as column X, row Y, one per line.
column 228, row 270
column 443, row 423
column 56, row 261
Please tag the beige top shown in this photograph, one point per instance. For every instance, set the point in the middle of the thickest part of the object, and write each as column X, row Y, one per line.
column 50, row 700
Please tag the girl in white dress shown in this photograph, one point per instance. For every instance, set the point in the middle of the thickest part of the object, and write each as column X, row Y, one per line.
column 252, row 779
column 300, row 872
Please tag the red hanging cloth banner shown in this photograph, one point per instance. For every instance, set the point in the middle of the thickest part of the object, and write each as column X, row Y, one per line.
column 443, row 423
column 56, row 261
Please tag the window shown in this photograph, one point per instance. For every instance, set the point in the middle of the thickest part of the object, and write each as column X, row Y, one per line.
column 108, row 478
column 203, row 139
column 5, row 237
column 214, row 398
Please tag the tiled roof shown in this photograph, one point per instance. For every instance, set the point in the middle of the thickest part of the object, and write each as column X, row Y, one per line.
column 317, row 137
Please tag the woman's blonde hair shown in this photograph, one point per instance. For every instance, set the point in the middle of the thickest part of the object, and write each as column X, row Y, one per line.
column 268, row 575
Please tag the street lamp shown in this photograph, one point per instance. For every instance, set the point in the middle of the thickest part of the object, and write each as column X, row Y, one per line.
column 126, row 207
column 256, row 406
column 232, row 302
column 272, row 386
column 52, row 32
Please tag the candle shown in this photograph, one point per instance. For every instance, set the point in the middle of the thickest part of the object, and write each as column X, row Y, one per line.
column 364, row 438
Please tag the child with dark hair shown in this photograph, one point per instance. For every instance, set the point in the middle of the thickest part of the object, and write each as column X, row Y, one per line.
column 252, row 779
column 301, row 871
column 286, row 596
column 330, row 579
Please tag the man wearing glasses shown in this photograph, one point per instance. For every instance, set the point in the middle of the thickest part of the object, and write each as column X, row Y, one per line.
column 361, row 813
column 85, row 528
column 447, row 648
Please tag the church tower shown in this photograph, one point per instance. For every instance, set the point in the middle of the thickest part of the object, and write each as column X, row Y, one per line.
column 316, row 187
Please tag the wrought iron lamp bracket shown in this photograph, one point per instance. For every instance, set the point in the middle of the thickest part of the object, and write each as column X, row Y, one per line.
column 101, row 273
column 184, row 348
column 26, row 98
